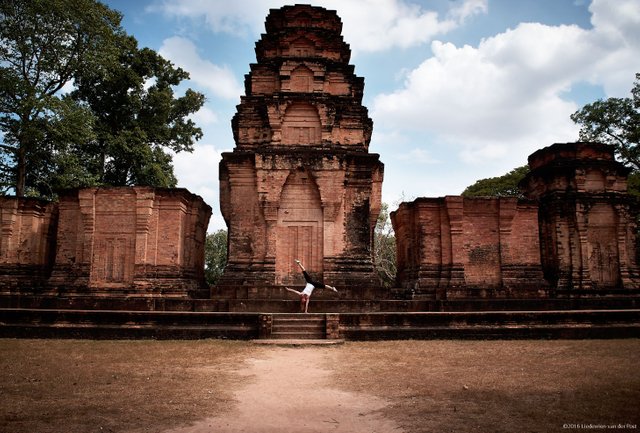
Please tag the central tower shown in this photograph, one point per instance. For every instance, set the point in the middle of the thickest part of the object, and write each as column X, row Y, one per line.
column 300, row 182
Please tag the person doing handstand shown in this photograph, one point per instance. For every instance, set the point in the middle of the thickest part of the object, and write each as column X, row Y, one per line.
column 308, row 289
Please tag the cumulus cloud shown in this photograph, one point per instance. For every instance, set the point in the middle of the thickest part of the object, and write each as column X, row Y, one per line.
column 198, row 172
column 504, row 98
column 204, row 116
column 219, row 80
column 417, row 155
column 369, row 25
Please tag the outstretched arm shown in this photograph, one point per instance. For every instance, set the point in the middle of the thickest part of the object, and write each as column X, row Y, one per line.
column 300, row 264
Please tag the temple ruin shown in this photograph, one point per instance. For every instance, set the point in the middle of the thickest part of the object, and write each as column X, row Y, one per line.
column 101, row 242
column 587, row 220
column 300, row 182
column 574, row 234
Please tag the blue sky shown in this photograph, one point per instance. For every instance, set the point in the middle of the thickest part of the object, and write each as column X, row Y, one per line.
column 458, row 90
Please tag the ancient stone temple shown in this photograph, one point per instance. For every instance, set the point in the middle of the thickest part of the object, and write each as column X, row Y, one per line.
column 138, row 241
column 574, row 235
column 457, row 247
column 27, row 242
column 587, row 219
column 300, row 182
column 105, row 242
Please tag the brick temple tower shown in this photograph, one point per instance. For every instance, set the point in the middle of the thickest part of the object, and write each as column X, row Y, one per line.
column 587, row 219
column 300, row 182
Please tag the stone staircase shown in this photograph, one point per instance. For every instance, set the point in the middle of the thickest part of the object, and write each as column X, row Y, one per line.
column 298, row 327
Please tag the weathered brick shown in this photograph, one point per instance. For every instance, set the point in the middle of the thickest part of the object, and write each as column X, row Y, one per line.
column 300, row 182
column 575, row 235
column 466, row 247
column 588, row 220
column 137, row 240
column 27, row 239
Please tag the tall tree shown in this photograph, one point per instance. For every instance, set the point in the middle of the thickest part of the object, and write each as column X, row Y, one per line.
column 43, row 43
column 121, row 124
column 138, row 118
column 614, row 121
column 384, row 252
column 501, row 186
column 215, row 255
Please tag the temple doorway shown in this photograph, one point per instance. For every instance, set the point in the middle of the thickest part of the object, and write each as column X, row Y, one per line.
column 299, row 232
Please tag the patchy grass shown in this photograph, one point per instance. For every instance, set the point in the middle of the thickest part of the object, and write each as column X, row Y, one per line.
column 499, row 386
column 113, row 386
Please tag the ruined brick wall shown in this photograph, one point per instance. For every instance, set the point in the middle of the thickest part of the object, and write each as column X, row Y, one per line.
column 455, row 247
column 300, row 182
column 137, row 240
column 27, row 230
column 587, row 219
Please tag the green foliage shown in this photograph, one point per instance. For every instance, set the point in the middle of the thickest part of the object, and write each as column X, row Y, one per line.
column 215, row 255
column 501, row 186
column 615, row 121
column 633, row 183
column 384, row 251
column 138, row 116
column 119, row 126
column 42, row 45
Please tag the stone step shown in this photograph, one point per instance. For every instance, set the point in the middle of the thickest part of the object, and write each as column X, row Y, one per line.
column 324, row 306
column 65, row 323
column 298, row 326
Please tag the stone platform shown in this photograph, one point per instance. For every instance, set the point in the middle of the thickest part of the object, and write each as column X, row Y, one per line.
column 126, row 318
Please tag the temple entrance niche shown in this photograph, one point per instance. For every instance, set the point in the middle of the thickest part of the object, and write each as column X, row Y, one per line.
column 301, row 125
column 302, row 47
column 602, row 247
column 302, row 79
column 299, row 232
column 113, row 259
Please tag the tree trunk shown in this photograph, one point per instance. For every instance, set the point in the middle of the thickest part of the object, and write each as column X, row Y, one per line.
column 21, row 174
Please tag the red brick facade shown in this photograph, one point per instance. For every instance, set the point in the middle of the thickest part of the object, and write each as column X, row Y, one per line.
column 109, row 241
column 574, row 236
column 300, row 182
column 587, row 219
column 131, row 240
column 455, row 247
column 27, row 234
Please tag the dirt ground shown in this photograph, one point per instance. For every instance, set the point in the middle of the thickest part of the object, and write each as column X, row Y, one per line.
column 408, row 386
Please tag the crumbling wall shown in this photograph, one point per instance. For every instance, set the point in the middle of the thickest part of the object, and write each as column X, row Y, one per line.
column 456, row 247
column 27, row 240
column 587, row 218
column 137, row 240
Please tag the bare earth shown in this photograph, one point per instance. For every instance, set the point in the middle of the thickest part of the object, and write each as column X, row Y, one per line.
column 291, row 391
column 83, row 386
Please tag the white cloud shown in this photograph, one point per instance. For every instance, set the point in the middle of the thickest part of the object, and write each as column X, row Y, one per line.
column 204, row 116
column 417, row 155
column 220, row 80
column 616, row 30
column 469, row 8
column 369, row 25
column 239, row 17
column 198, row 172
column 498, row 102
